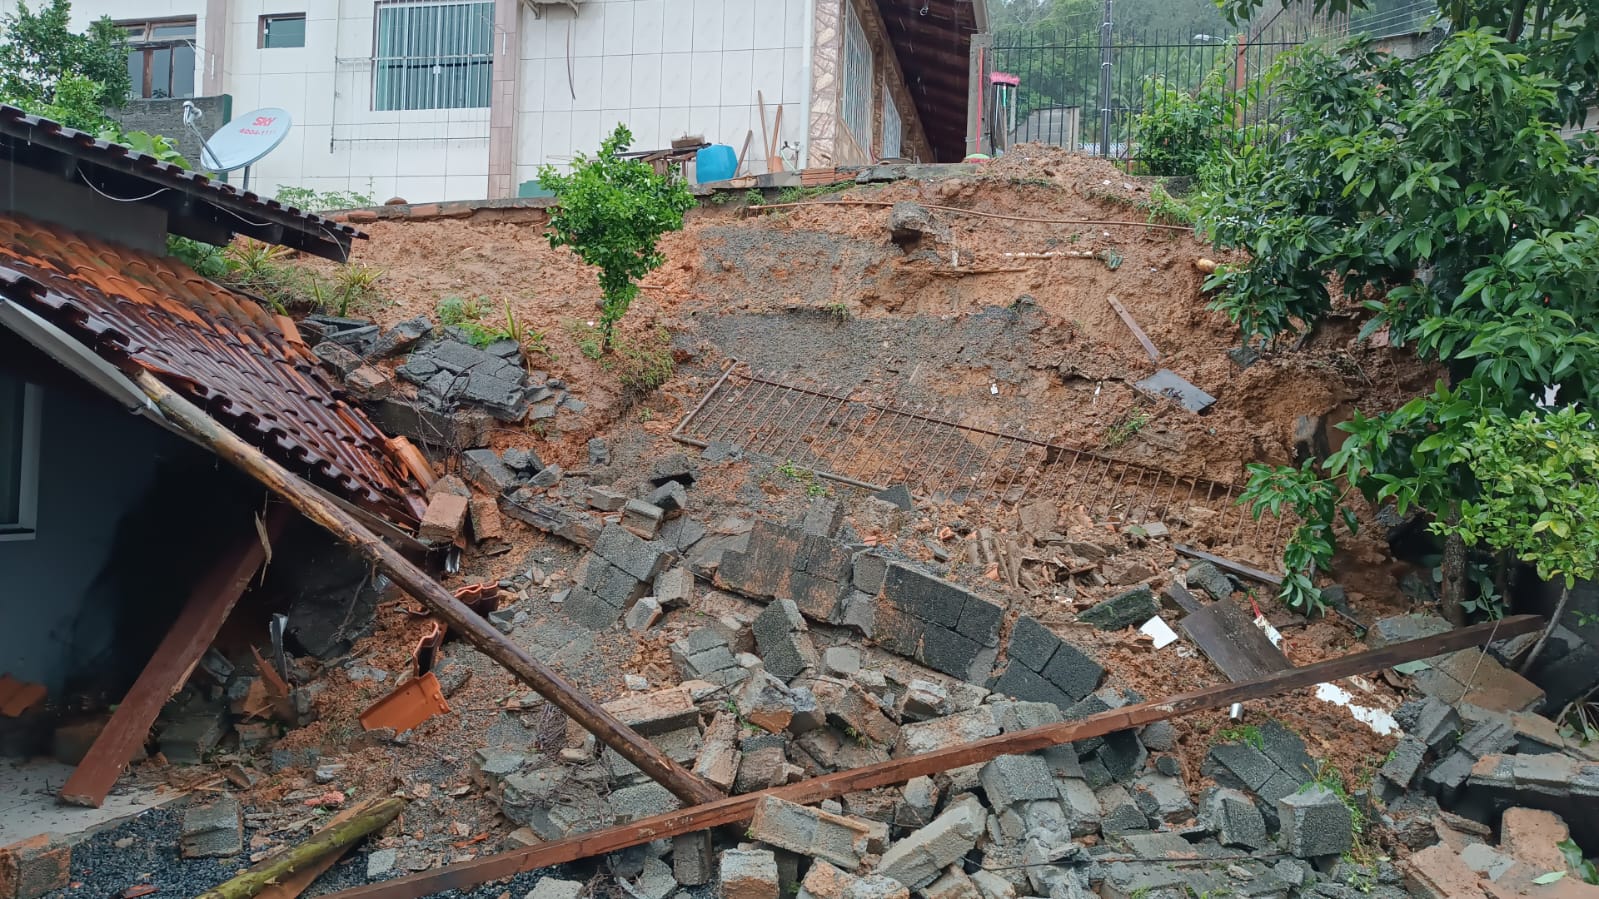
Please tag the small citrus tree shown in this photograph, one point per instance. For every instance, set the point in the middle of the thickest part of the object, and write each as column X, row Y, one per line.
column 612, row 212
column 1537, row 496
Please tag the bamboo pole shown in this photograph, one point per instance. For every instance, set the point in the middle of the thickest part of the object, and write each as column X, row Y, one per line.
column 466, row 875
column 644, row 755
column 327, row 841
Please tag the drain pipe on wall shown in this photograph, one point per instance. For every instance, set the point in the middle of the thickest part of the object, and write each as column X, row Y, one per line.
column 807, row 49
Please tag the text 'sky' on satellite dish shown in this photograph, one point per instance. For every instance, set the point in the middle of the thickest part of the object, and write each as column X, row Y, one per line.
column 246, row 139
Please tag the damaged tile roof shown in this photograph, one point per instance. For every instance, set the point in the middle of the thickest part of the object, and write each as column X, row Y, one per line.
column 245, row 366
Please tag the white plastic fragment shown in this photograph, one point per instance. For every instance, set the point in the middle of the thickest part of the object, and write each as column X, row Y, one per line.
column 1159, row 631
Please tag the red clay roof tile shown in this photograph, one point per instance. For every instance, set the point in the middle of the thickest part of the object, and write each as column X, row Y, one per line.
column 218, row 347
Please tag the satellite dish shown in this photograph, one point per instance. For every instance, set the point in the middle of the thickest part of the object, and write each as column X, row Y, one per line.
column 246, row 140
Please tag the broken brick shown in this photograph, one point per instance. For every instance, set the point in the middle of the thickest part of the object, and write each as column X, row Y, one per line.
column 444, row 519
column 33, row 867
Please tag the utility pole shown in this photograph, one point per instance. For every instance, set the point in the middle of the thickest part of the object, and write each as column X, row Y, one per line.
column 1105, row 55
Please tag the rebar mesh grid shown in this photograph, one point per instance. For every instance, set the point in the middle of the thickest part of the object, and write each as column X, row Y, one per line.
column 873, row 446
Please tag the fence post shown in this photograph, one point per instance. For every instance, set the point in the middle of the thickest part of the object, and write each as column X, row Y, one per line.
column 978, row 62
column 1105, row 55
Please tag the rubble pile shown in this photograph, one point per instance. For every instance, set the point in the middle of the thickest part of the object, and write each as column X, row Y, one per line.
column 450, row 391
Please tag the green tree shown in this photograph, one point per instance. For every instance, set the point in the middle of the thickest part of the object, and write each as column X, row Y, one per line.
column 612, row 210
column 47, row 67
column 1440, row 193
column 1537, row 496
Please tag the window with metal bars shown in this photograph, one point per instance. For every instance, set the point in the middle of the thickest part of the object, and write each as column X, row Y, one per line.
column 19, row 458
column 433, row 55
column 893, row 127
column 857, row 101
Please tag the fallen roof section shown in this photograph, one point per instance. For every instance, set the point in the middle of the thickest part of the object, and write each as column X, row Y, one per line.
column 198, row 207
column 220, row 348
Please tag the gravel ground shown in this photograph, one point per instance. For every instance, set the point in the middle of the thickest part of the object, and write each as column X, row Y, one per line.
column 144, row 850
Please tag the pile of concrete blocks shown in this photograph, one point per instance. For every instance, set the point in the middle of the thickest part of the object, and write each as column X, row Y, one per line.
column 1041, row 667
column 620, row 570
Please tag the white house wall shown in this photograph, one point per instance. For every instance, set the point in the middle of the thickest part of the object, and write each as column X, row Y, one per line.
column 666, row 68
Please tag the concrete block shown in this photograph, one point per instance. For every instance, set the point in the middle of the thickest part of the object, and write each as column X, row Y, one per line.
column 824, row 517
column 841, row 661
column 749, row 874
column 1402, row 765
column 488, row 472
column 719, row 757
column 784, row 639
column 1287, row 750
column 962, row 727
column 33, row 867
column 923, row 595
column 1207, row 577
column 1122, row 611
column 555, row 888
column 1239, row 765
column 1119, row 812
column 605, row 499
column 381, row 862
column 868, row 572
column 761, row 768
column 486, row 521
column 1315, row 823
column 860, row 713
column 922, row 700
column 444, row 519
column 1236, row 820
column 1032, row 644
column 764, row 701
column 642, row 519
column 918, row 800
column 187, row 740
column 1163, row 798
column 920, row 858
column 638, row 557
column 674, row 587
column 811, row 832
column 1025, row 684
column 1122, row 754
column 1430, row 720
column 643, row 800
column 1159, row 737
column 693, row 859
column 643, row 615
column 952, row 884
column 824, row 881
column 1072, row 671
column 214, row 830
column 670, row 498
column 660, row 712
column 674, row 467
column 1011, row 779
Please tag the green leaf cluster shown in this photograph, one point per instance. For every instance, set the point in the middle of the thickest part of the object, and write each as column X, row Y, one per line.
column 612, row 211
column 53, row 71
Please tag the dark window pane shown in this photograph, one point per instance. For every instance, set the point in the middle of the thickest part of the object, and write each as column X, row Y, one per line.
column 11, row 425
column 136, row 72
column 283, row 31
column 161, row 72
column 171, row 31
column 183, row 71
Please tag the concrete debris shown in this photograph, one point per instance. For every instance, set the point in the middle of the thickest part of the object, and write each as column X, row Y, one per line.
column 1044, row 668
column 555, row 888
column 784, row 640
column 837, row 839
column 919, row 859
column 749, row 874
column 824, row 881
column 938, row 624
column 213, row 830
column 1315, row 823
column 1122, row 611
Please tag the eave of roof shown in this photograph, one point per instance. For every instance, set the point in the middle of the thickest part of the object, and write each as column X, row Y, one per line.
column 932, row 40
column 198, row 206
column 221, row 350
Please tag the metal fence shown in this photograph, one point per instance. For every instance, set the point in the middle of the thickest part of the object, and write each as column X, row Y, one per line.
column 1087, row 97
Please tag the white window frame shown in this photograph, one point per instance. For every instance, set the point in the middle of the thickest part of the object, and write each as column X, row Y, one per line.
column 855, row 107
column 26, row 525
column 893, row 127
column 447, row 13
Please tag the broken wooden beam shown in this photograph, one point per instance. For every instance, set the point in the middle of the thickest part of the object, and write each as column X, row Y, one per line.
column 1132, row 325
column 291, row 885
column 169, row 667
column 466, row 875
column 1238, row 568
column 1229, row 637
column 644, row 755
column 331, row 840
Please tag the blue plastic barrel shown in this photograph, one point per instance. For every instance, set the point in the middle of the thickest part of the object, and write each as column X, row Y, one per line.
column 717, row 162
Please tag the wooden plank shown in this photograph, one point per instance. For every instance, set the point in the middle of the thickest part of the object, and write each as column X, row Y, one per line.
column 1127, row 319
column 292, row 885
column 467, row 875
column 180, row 650
column 766, row 141
column 578, row 706
column 749, row 135
column 774, row 163
column 1227, row 635
column 1238, row 568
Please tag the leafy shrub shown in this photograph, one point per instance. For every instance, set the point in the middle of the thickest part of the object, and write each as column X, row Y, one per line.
column 612, row 212
column 309, row 200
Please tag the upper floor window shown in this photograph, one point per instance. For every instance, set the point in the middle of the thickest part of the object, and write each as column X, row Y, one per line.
column 19, row 458
column 287, row 30
column 857, row 102
column 433, row 55
column 161, row 58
